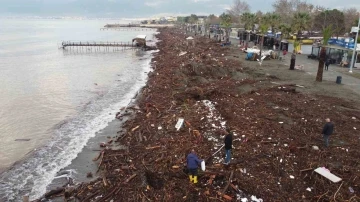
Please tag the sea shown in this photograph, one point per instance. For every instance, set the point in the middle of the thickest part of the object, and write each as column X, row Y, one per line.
column 54, row 100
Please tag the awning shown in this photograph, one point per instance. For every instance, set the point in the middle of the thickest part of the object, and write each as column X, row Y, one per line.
column 342, row 48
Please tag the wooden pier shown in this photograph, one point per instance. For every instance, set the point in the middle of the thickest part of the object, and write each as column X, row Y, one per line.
column 139, row 43
column 65, row 44
column 126, row 29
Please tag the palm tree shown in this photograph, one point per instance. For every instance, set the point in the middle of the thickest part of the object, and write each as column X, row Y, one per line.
column 226, row 22
column 285, row 31
column 264, row 27
column 327, row 33
column 249, row 19
column 301, row 22
column 273, row 20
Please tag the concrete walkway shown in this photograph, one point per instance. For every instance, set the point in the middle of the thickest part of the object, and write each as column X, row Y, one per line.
column 311, row 67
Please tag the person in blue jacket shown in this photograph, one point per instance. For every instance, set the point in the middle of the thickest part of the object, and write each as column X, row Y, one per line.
column 192, row 164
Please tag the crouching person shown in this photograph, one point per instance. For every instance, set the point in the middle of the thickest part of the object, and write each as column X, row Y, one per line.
column 192, row 164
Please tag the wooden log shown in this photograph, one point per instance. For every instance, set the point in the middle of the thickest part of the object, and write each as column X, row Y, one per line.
column 105, row 182
column 130, row 178
column 234, row 187
column 54, row 192
column 98, row 157
column 307, row 169
column 154, row 147
column 101, row 161
column 228, row 184
column 132, row 130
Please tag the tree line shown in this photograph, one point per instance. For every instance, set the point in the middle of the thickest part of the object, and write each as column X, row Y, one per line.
column 288, row 16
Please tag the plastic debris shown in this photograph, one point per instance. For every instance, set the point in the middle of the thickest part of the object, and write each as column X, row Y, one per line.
column 179, row 123
column 315, row 147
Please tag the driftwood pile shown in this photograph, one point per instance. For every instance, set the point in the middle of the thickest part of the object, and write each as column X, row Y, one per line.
column 275, row 129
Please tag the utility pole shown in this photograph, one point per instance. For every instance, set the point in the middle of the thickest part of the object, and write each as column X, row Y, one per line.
column 355, row 46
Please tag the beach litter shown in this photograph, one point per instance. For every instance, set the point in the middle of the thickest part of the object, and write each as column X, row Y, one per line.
column 208, row 92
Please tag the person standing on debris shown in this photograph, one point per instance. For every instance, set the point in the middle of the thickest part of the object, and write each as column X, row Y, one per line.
column 327, row 131
column 192, row 164
column 327, row 63
column 293, row 58
column 228, row 146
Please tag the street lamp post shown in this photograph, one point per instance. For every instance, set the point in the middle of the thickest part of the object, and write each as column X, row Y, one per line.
column 355, row 46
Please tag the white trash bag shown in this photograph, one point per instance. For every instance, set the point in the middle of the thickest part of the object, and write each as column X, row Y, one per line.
column 203, row 165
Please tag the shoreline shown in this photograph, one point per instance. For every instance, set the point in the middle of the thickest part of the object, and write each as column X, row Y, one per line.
column 206, row 80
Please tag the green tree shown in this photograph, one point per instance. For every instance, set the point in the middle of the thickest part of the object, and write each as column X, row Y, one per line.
column 263, row 27
column 273, row 21
column 301, row 22
column 193, row 19
column 225, row 21
column 327, row 33
column 334, row 17
column 285, row 32
column 249, row 20
column 213, row 19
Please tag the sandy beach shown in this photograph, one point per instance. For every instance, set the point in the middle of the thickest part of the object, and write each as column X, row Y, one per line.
column 276, row 116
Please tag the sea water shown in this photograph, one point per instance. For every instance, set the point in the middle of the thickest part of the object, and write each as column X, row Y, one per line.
column 52, row 101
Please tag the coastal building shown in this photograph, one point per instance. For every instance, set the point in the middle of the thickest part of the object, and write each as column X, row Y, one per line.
column 339, row 51
column 171, row 19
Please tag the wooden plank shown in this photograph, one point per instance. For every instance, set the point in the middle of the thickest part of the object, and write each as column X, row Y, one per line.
column 327, row 174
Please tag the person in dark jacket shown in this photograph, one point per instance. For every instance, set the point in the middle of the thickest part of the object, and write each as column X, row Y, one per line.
column 228, row 146
column 327, row 63
column 327, row 131
column 192, row 164
column 293, row 59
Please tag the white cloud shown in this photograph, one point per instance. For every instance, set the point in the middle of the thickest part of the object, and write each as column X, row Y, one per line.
column 154, row 3
column 196, row 1
column 224, row 6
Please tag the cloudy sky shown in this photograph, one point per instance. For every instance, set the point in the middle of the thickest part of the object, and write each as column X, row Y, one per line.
column 139, row 8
